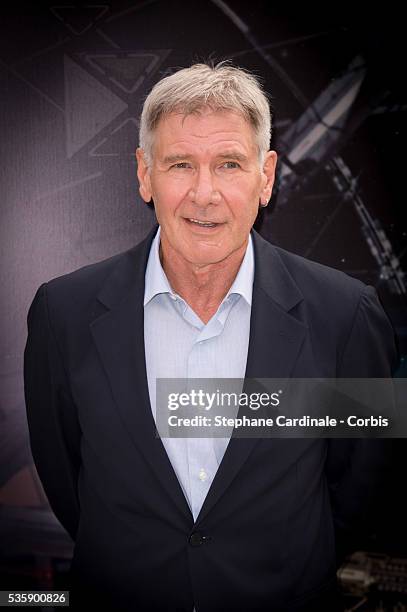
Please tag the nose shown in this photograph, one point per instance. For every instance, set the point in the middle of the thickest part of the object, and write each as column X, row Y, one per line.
column 203, row 191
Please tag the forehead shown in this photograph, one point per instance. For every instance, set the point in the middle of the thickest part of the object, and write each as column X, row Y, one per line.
column 203, row 129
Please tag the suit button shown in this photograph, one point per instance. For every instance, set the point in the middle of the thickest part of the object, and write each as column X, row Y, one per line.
column 196, row 539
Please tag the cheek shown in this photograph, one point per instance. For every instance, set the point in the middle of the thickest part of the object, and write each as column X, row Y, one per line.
column 242, row 189
column 244, row 206
column 169, row 194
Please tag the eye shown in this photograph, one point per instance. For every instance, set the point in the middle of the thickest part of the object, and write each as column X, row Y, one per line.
column 230, row 165
column 181, row 165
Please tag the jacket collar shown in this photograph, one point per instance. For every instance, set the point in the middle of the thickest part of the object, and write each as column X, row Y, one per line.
column 271, row 274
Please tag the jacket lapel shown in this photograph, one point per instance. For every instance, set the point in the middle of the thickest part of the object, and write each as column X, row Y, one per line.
column 119, row 336
column 276, row 336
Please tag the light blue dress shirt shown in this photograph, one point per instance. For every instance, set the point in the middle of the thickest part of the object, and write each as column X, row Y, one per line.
column 179, row 345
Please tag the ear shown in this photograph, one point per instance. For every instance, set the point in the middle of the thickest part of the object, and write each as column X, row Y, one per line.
column 143, row 176
column 269, row 173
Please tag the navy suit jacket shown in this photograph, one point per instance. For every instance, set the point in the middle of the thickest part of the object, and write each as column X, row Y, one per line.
column 265, row 536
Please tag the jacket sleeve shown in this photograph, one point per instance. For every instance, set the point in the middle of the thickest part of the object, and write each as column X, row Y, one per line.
column 357, row 467
column 51, row 413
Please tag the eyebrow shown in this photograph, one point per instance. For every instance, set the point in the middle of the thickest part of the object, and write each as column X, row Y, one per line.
column 232, row 155
column 177, row 157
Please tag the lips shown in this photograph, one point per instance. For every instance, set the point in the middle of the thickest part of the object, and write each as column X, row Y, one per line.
column 201, row 223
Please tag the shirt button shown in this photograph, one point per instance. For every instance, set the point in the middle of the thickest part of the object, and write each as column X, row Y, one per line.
column 173, row 297
column 202, row 475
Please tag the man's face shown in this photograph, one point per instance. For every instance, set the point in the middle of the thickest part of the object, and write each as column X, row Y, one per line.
column 206, row 183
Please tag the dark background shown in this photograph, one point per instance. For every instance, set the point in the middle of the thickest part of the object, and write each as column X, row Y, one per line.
column 72, row 82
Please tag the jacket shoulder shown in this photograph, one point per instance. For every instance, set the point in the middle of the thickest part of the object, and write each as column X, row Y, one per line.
column 72, row 296
column 311, row 275
column 346, row 314
column 90, row 276
column 321, row 286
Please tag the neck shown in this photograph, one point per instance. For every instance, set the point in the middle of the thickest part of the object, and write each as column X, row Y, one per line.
column 202, row 286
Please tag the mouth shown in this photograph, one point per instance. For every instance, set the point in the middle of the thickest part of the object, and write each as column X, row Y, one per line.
column 198, row 223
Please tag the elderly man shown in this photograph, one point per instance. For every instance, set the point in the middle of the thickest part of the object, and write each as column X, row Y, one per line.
column 211, row 524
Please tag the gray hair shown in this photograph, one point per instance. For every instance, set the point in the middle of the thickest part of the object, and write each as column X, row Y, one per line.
column 219, row 87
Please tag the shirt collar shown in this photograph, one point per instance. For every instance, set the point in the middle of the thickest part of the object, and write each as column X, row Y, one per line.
column 156, row 281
